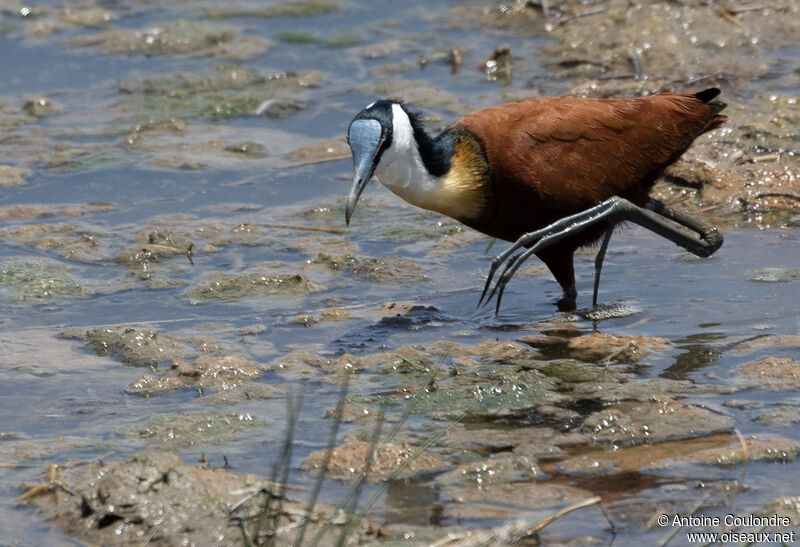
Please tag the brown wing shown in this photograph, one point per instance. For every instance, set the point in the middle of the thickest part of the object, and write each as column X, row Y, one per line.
column 555, row 156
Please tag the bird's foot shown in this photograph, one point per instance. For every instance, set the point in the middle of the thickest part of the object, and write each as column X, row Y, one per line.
column 568, row 302
column 533, row 242
column 500, row 286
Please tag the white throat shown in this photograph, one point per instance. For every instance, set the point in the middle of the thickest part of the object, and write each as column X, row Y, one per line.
column 401, row 168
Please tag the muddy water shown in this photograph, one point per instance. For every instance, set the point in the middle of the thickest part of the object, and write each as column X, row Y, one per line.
column 174, row 263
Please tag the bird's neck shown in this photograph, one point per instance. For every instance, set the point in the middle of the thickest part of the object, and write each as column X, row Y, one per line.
column 430, row 172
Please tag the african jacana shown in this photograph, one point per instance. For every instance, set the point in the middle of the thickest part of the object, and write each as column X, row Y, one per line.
column 551, row 174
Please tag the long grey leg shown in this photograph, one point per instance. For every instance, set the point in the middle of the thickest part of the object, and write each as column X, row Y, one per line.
column 613, row 210
column 531, row 237
column 709, row 234
column 598, row 262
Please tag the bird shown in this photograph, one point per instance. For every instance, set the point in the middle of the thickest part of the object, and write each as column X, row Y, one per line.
column 550, row 174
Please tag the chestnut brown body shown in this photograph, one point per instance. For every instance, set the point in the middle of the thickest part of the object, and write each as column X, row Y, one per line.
column 553, row 157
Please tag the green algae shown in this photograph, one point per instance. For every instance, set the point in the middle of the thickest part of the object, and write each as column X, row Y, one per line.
column 781, row 416
column 417, row 229
column 296, row 8
column 481, row 392
column 207, row 371
column 152, row 254
column 134, row 347
column 68, row 240
column 183, row 430
column 222, row 286
column 298, row 37
column 390, row 269
column 337, row 263
column 40, row 281
column 223, row 92
column 247, row 149
column 503, row 469
column 222, row 110
column 390, row 69
column 506, row 500
column 321, row 151
column 242, row 393
column 160, row 245
column 168, row 239
column 416, row 92
column 23, row 211
column 346, row 37
column 73, row 159
column 176, row 38
column 21, row 449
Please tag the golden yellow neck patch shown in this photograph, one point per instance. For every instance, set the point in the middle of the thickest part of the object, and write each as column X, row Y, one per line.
column 465, row 193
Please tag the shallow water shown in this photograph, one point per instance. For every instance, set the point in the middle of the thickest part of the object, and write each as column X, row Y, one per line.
column 60, row 402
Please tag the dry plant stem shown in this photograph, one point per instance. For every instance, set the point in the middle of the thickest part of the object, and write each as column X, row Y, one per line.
column 351, row 501
column 355, row 490
column 337, row 422
column 286, row 455
column 743, row 442
column 402, row 467
column 745, row 460
column 518, row 530
column 294, row 402
column 560, row 513
column 731, row 19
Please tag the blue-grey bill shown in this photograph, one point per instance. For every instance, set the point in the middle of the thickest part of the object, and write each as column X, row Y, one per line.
column 365, row 138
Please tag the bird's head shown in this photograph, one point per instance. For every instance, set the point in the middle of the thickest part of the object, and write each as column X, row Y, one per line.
column 369, row 135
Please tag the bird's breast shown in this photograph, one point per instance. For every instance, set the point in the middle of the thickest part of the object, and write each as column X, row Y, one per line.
column 466, row 187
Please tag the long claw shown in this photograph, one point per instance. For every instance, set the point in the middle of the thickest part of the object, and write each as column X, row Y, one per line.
column 499, row 296
column 511, row 268
column 492, row 270
column 499, row 259
column 510, row 263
